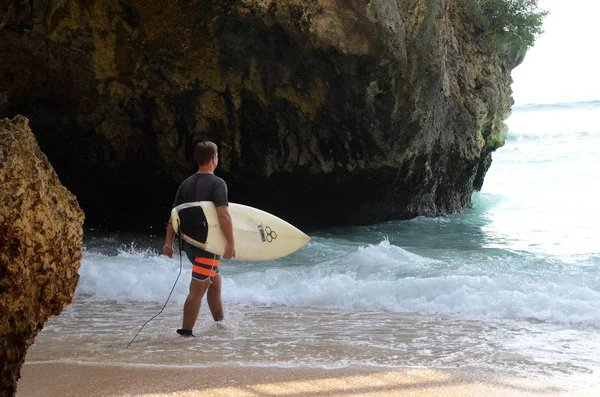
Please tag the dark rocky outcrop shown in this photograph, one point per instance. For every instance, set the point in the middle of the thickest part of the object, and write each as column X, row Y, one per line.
column 40, row 246
column 327, row 112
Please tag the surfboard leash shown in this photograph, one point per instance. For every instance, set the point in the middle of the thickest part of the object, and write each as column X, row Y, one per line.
column 170, row 293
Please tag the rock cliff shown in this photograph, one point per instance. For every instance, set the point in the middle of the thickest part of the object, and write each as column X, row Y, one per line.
column 327, row 112
column 40, row 246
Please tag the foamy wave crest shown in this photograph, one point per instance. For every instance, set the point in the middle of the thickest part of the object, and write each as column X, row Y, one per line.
column 385, row 277
column 498, row 297
column 367, row 278
column 132, row 275
column 469, row 296
column 342, row 282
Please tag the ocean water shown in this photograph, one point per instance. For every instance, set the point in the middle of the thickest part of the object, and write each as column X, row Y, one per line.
column 511, row 286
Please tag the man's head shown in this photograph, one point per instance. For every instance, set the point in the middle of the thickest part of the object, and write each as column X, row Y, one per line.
column 204, row 152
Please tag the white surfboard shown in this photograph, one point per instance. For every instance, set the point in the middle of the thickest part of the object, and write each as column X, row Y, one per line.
column 258, row 235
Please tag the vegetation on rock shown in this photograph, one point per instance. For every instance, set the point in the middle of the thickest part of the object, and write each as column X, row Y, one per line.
column 512, row 22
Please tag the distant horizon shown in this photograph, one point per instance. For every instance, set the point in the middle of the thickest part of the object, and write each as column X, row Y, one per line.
column 562, row 65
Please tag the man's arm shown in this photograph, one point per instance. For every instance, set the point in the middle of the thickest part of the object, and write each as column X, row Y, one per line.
column 168, row 247
column 227, row 229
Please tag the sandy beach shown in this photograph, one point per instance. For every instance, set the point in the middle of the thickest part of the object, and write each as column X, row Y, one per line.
column 58, row 379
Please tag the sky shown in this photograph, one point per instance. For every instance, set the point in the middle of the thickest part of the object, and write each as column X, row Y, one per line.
column 564, row 64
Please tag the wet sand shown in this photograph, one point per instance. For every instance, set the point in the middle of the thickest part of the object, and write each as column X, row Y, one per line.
column 88, row 380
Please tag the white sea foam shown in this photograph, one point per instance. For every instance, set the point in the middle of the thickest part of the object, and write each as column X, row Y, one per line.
column 373, row 277
column 130, row 276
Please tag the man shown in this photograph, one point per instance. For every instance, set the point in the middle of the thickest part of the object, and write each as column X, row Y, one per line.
column 203, row 186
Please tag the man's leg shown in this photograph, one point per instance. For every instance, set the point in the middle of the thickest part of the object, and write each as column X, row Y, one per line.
column 191, row 308
column 214, row 299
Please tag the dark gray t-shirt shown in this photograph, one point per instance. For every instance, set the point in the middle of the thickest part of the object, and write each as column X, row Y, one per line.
column 202, row 187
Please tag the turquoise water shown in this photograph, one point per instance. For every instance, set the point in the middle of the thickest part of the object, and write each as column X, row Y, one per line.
column 510, row 286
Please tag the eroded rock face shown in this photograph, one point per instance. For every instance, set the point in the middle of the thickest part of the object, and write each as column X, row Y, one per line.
column 326, row 112
column 40, row 246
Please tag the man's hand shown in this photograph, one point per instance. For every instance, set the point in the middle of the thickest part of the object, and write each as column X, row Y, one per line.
column 168, row 250
column 227, row 229
column 168, row 247
column 229, row 251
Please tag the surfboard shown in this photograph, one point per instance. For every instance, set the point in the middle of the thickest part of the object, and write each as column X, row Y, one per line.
column 258, row 235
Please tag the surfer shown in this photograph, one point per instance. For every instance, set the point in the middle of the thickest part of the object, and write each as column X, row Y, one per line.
column 203, row 186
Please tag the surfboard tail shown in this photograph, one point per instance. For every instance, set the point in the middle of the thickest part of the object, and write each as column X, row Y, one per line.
column 190, row 222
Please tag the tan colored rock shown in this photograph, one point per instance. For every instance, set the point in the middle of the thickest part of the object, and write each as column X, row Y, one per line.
column 41, row 231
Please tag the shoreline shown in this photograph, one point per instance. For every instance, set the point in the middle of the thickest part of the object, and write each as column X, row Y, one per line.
column 49, row 379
